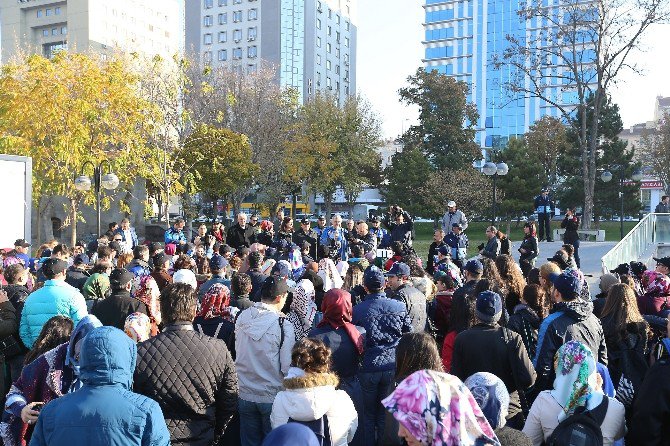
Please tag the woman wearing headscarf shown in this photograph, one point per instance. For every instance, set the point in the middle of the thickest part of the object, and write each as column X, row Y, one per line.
column 216, row 318
column 96, row 288
column 303, row 309
column 328, row 271
column 146, row 290
column 434, row 408
column 291, row 434
column 491, row 394
column 50, row 376
column 138, row 327
column 656, row 298
column 576, row 386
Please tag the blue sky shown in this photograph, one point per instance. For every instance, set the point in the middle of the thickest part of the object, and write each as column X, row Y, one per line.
column 389, row 50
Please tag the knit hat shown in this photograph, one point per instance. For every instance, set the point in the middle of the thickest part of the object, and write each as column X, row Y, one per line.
column 373, row 278
column 185, row 276
column 560, row 258
column 489, row 307
column 474, row 266
column 606, row 282
column 567, row 284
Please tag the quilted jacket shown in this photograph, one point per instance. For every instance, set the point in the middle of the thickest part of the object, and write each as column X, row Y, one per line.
column 415, row 302
column 192, row 376
column 54, row 298
column 385, row 321
column 104, row 411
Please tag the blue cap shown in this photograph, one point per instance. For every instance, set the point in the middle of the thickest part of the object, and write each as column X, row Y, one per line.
column 474, row 266
column 217, row 262
column 489, row 307
column 281, row 269
column 399, row 269
column 80, row 259
column 568, row 285
column 373, row 278
column 444, row 250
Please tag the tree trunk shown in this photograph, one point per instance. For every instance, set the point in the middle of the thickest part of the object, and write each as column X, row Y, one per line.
column 73, row 216
column 328, row 201
column 45, row 221
column 589, row 160
column 167, row 208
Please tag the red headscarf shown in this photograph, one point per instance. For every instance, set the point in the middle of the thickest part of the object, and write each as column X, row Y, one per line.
column 215, row 302
column 337, row 309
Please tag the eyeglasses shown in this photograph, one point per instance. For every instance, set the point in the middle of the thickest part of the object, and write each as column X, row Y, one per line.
column 118, row 239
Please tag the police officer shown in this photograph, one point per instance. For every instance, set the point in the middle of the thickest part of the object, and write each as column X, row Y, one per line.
column 544, row 206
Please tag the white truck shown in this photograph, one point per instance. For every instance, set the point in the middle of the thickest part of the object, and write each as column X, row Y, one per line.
column 16, row 186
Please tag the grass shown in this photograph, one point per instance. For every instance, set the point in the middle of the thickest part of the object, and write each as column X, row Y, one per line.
column 476, row 230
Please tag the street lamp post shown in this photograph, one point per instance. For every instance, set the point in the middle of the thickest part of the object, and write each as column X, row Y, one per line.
column 607, row 176
column 495, row 170
column 107, row 180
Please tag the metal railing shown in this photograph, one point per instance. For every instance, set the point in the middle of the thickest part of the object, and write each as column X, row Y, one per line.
column 650, row 231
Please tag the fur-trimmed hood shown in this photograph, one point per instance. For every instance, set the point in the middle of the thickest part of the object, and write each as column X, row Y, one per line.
column 310, row 396
column 310, row 380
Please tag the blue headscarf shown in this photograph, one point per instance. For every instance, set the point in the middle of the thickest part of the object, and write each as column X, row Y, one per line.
column 291, row 434
column 86, row 325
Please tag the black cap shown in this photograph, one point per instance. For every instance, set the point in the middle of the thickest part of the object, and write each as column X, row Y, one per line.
column 304, row 221
column 120, row 277
column 274, row 286
column 81, row 259
column 322, row 217
column 225, row 249
column 156, row 246
column 51, row 267
column 374, row 219
column 160, row 259
column 560, row 258
column 22, row 243
column 665, row 261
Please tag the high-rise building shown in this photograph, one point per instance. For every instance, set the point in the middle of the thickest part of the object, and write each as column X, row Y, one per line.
column 461, row 39
column 46, row 26
column 311, row 43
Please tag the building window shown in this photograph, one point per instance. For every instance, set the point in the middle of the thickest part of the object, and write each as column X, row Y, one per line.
column 330, row 13
column 253, row 14
column 252, row 33
column 207, row 56
column 223, row 55
column 327, row 65
column 237, row 35
column 252, row 52
column 45, row 32
column 223, row 18
column 54, row 31
column 347, row 26
column 39, row 13
column 208, row 20
column 318, row 59
column 346, row 75
column 346, row 59
column 337, row 69
column 346, row 42
column 48, row 12
column 318, row 7
column 237, row 16
column 318, row 79
column 337, row 36
column 328, row 47
column 329, row 83
column 63, row 30
column 330, row 31
column 209, row 4
column 223, row 2
column 237, row 54
column 318, row 42
column 318, row 23
column 49, row 50
column 337, row 19
column 251, row 68
column 337, row 52
column 223, row 36
column 57, row 10
column 207, row 39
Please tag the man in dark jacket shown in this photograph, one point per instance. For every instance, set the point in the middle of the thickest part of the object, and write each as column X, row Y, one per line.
column 114, row 309
column 473, row 271
column 256, row 276
column 572, row 319
column 488, row 347
column 458, row 243
column 77, row 275
column 240, row 287
column 492, row 248
column 16, row 276
column 544, row 206
column 306, row 234
column 403, row 291
column 385, row 321
column 240, row 234
column 139, row 266
column 664, row 206
column 217, row 266
column 401, row 227
column 438, row 241
column 191, row 376
column 362, row 237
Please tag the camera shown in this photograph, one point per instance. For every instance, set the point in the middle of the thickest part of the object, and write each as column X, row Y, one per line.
column 396, row 211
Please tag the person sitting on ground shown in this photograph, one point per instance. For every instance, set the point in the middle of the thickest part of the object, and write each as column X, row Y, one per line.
column 528, row 315
column 114, row 310
column 606, row 282
column 491, row 394
column 241, row 288
column 426, row 402
column 488, row 347
column 576, row 386
column 216, row 317
column 311, row 395
column 107, row 362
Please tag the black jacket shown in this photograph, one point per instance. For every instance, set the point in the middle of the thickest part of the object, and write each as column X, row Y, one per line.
column 650, row 425
column 400, row 232
column 9, row 326
column 300, row 236
column 466, row 290
column 571, row 225
column 257, row 279
column 368, row 241
column 264, row 238
column 241, row 302
column 76, row 277
column 569, row 321
column 415, row 302
column 192, row 377
column 526, row 322
column 432, row 252
column 114, row 309
column 17, row 295
column 492, row 248
column 486, row 348
column 238, row 237
column 530, row 245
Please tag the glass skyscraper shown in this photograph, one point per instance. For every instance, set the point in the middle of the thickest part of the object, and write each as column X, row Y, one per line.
column 461, row 39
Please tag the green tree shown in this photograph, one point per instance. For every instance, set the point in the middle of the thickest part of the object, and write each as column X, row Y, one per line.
column 545, row 141
column 405, row 177
column 526, row 176
column 654, row 150
column 446, row 129
column 468, row 187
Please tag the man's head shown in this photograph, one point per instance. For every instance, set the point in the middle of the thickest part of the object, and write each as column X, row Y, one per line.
column 54, row 269
column 125, row 224
column 21, row 246
column 280, row 214
column 202, row 231
column 121, row 280
column 321, row 222
column 473, row 270
column 438, row 235
column 375, row 221
column 373, row 280
column 113, row 226
column 16, row 274
column 81, row 260
column 544, row 191
column 282, row 269
column 161, row 261
column 241, row 285
column 217, row 264
column 443, row 252
column 253, row 220
column 179, row 224
column 561, row 259
column 274, row 292
column 399, row 217
column 663, row 265
column 451, row 206
column 242, row 219
column 216, row 225
column 61, row 251
column 397, row 275
column 141, row 252
column 488, row 307
column 304, row 224
column 107, row 355
column 336, row 221
column 457, row 228
column 226, row 251
column 255, row 260
column 491, row 232
column 105, row 254
column 665, row 199
column 362, row 228
column 350, row 224
column 566, row 287
column 178, row 303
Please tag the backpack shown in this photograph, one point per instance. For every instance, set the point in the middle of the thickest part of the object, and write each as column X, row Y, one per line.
column 628, row 365
column 582, row 428
column 320, row 428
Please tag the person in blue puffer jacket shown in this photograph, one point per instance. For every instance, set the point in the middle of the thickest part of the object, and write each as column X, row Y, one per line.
column 54, row 298
column 104, row 411
column 385, row 321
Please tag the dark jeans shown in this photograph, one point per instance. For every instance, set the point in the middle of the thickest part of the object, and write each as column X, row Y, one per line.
column 374, row 386
column 254, row 422
column 575, row 243
column 544, row 223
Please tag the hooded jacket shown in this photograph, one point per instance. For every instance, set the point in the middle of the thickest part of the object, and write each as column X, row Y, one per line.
column 526, row 322
column 261, row 363
column 114, row 309
column 139, row 267
column 448, row 220
column 104, row 411
column 569, row 321
column 311, row 396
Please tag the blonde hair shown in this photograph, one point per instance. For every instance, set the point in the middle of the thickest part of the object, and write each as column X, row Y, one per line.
column 545, row 270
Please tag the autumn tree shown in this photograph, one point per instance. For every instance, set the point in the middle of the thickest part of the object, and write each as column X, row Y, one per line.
column 654, row 150
column 468, row 187
column 68, row 110
column 545, row 141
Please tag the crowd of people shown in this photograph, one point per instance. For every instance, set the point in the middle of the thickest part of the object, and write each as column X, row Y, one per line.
column 267, row 334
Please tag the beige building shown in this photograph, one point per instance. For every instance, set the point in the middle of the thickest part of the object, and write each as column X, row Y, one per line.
column 45, row 26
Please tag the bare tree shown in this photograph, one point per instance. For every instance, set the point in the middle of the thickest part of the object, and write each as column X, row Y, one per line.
column 571, row 54
column 654, row 150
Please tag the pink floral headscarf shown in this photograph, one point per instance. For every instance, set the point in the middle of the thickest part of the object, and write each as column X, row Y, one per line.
column 438, row 409
column 656, row 284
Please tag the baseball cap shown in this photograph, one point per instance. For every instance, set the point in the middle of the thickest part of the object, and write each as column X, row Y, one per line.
column 451, row 204
column 560, row 258
column 457, row 225
column 322, row 217
column 52, row 267
column 544, row 189
column 217, row 262
column 444, row 250
column 273, row 287
column 22, row 243
column 81, row 259
column 665, row 261
column 568, row 285
column 474, row 266
column 399, row 269
column 304, row 221
column 281, row 269
column 375, row 219
column 120, row 277
column 488, row 307
column 373, row 278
